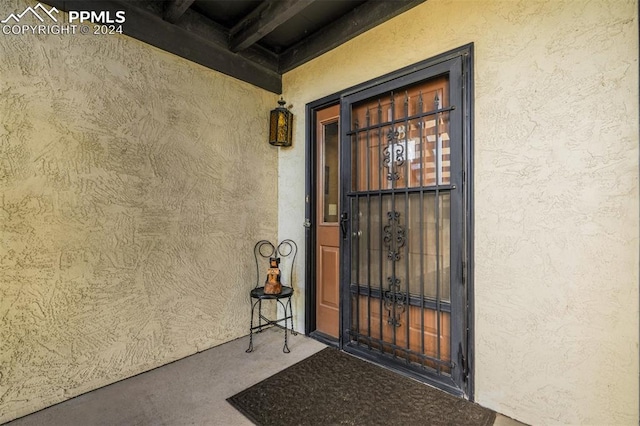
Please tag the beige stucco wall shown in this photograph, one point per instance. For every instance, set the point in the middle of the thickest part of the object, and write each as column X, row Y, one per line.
column 133, row 185
column 556, row 190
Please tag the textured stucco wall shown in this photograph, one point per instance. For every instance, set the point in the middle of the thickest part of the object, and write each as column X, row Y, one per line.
column 556, row 187
column 133, row 185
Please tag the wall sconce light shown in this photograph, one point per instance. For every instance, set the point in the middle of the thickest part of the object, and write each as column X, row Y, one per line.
column 281, row 125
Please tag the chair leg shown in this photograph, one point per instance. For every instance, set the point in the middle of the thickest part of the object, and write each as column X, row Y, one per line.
column 285, row 348
column 288, row 315
column 250, row 349
column 293, row 332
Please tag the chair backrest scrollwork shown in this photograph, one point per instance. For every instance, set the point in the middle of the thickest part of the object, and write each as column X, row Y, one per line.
column 286, row 252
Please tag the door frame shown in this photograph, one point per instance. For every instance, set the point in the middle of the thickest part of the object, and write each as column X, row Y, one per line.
column 465, row 53
column 311, row 162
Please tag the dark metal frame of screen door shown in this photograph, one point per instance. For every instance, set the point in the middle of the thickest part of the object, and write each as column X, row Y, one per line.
column 455, row 373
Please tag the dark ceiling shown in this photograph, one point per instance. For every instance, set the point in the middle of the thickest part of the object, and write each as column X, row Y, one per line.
column 253, row 40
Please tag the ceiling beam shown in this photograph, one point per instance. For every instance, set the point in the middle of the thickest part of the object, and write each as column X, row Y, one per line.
column 210, row 51
column 174, row 9
column 262, row 20
column 209, row 30
column 350, row 25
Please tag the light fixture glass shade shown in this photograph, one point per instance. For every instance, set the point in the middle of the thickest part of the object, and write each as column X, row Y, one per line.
column 281, row 126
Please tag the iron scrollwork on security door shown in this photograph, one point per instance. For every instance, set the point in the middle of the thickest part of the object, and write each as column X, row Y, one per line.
column 394, row 238
column 393, row 155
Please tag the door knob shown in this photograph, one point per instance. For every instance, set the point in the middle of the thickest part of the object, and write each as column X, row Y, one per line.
column 307, row 223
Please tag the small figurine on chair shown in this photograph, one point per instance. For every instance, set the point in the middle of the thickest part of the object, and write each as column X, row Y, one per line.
column 273, row 285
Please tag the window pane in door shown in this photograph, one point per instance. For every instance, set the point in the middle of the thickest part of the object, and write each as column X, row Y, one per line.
column 330, row 173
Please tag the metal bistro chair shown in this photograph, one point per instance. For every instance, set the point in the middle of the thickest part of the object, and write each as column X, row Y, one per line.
column 264, row 251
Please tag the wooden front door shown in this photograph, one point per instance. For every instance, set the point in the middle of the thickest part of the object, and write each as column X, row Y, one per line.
column 328, row 225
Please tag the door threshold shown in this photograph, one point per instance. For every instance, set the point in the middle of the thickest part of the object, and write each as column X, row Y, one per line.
column 443, row 383
column 325, row 338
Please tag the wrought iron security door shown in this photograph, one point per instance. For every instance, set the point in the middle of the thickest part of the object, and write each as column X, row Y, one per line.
column 404, row 292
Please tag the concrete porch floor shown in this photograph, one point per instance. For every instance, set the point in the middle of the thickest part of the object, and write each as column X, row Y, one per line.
column 191, row 391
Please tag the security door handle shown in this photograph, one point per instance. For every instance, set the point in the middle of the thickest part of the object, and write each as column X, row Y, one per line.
column 344, row 217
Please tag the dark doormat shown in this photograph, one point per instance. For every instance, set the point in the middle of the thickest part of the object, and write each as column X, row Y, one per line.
column 334, row 388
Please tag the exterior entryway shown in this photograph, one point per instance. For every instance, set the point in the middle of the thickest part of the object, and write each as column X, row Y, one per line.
column 400, row 230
